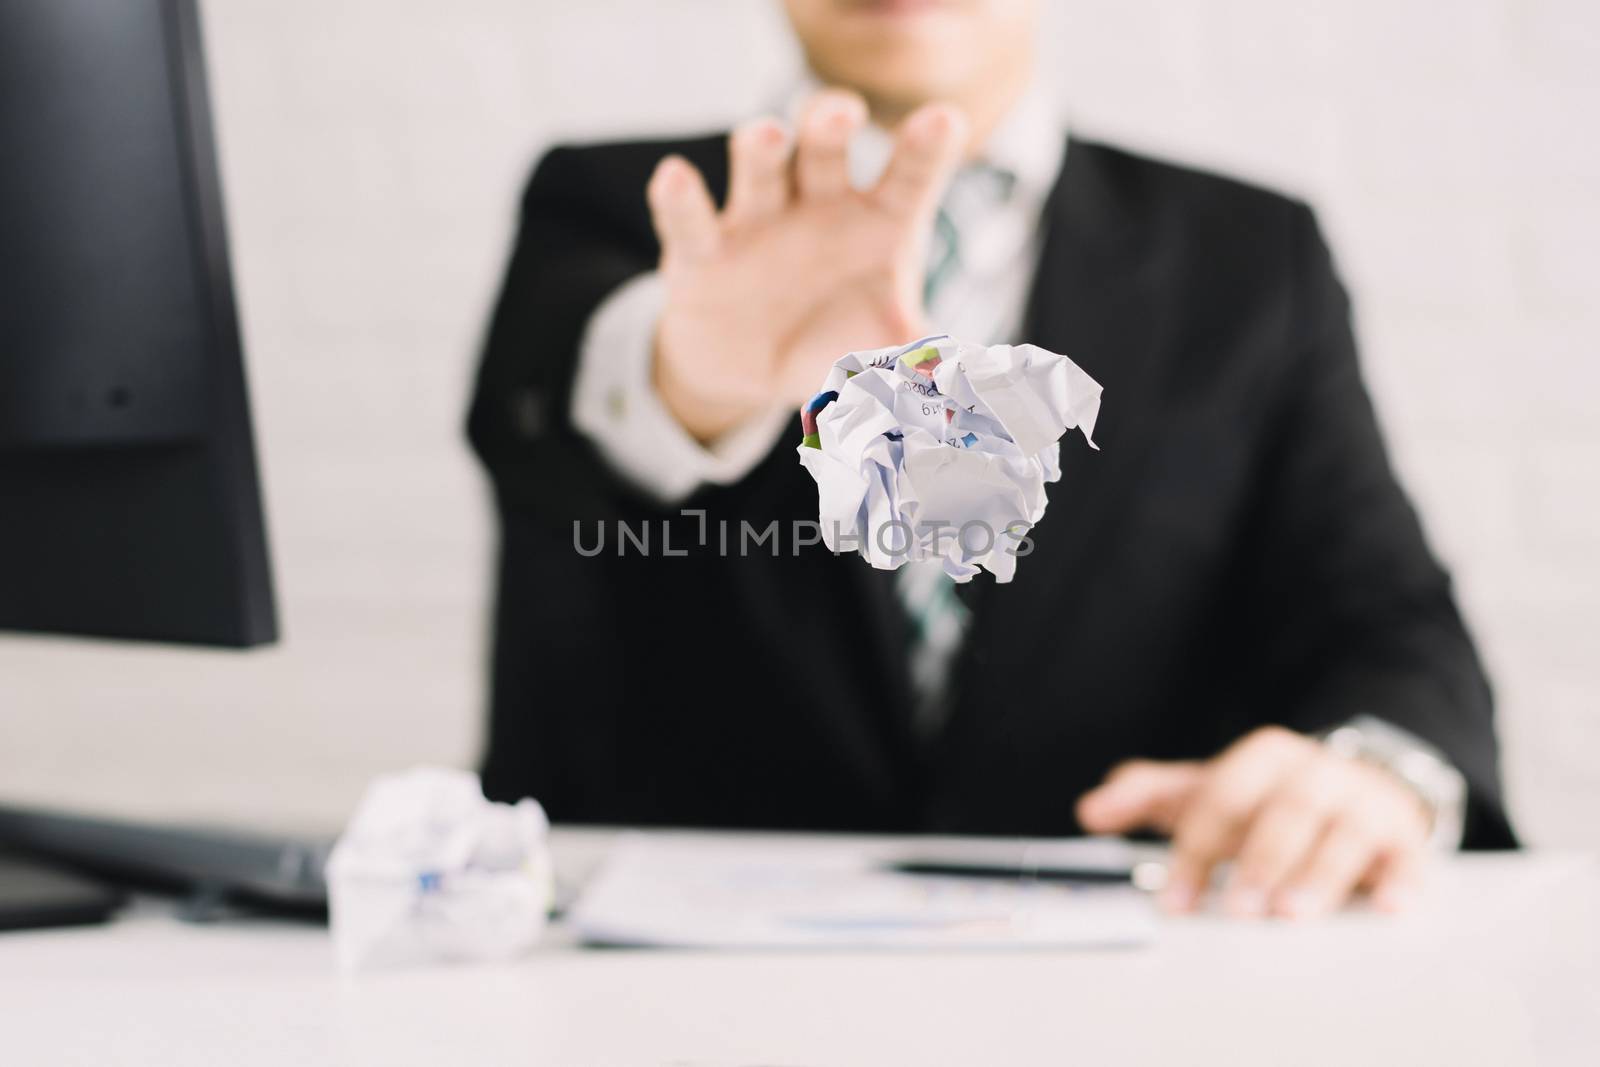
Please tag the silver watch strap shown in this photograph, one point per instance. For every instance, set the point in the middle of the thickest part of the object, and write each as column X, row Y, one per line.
column 1421, row 766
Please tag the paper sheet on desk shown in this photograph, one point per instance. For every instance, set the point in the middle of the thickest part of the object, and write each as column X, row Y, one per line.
column 941, row 449
column 672, row 890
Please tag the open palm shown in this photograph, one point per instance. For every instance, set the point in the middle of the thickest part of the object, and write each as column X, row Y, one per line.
column 799, row 267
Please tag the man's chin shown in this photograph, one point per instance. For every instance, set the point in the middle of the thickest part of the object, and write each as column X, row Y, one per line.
column 898, row 92
column 901, row 10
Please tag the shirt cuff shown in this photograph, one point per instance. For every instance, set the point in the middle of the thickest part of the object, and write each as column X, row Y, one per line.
column 615, row 405
column 1417, row 764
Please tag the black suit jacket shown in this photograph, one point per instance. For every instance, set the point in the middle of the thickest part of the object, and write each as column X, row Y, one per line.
column 1239, row 552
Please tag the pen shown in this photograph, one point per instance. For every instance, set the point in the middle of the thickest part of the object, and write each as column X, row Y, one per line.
column 1147, row 876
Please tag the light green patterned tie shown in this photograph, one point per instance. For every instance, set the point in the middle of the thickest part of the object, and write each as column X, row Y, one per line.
column 938, row 619
column 943, row 257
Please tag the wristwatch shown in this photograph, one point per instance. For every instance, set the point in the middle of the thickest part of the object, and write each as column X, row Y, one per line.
column 1417, row 764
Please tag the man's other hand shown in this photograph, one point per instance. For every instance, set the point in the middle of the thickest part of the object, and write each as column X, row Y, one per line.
column 1304, row 826
column 799, row 267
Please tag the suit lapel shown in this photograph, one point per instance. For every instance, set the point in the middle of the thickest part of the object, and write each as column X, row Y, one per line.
column 1094, row 300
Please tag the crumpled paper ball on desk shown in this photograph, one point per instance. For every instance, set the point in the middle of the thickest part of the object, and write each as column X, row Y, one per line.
column 429, row 870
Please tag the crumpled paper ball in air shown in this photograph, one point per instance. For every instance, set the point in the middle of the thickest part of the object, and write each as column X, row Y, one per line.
column 941, row 449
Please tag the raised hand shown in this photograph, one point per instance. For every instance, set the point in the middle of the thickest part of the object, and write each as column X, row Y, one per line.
column 798, row 268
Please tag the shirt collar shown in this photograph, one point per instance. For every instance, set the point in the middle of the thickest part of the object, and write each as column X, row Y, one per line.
column 1028, row 144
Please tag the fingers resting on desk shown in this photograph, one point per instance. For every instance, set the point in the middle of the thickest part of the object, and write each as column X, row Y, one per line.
column 1305, row 827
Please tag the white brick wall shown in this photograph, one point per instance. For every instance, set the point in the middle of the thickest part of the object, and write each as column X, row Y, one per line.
column 373, row 150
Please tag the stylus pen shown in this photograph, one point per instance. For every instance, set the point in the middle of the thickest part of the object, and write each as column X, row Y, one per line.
column 1148, row 876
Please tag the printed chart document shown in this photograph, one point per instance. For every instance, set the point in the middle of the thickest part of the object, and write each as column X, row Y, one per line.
column 685, row 890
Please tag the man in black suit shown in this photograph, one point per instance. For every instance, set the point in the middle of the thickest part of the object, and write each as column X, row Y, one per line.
column 1229, row 630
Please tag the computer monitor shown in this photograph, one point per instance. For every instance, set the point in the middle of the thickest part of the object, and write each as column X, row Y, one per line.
column 129, row 499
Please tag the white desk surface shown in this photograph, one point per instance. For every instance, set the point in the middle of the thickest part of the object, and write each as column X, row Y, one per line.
column 1499, row 963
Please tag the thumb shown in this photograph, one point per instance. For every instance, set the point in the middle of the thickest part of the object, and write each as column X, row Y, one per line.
column 1139, row 794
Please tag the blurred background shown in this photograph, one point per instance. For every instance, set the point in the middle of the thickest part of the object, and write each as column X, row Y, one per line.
column 372, row 152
